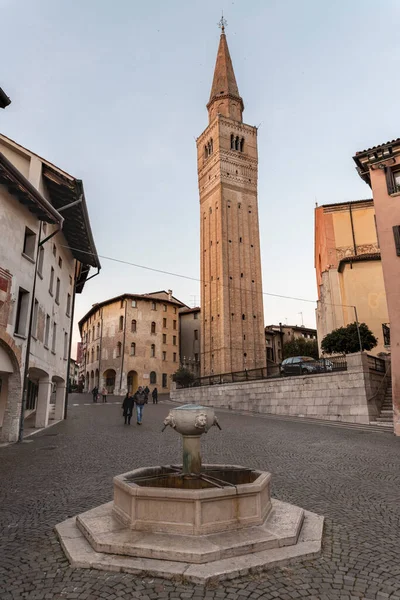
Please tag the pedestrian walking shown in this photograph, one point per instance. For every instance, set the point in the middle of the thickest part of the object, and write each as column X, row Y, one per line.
column 95, row 393
column 127, row 408
column 104, row 393
column 154, row 395
column 140, row 401
column 147, row 392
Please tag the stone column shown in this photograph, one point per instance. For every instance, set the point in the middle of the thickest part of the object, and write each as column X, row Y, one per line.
column 60, row 401
column 191, row 454
column 43, row 403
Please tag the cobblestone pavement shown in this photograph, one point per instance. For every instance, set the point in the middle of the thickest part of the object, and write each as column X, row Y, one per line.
column 350, row 476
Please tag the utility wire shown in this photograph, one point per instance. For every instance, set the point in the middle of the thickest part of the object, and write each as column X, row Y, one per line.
column 154, row 270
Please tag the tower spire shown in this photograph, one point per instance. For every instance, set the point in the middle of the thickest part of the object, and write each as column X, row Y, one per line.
column 224, row 97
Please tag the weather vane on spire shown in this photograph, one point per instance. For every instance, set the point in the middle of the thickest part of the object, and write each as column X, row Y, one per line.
column 222, row 23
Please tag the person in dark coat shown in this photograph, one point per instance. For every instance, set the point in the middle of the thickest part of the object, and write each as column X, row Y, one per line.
column 147, row 392
column 140, row 401
column 127, row 407
column 154, row 395
column 95, row 393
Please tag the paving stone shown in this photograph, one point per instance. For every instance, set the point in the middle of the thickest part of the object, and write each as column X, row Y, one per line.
column 350, row 476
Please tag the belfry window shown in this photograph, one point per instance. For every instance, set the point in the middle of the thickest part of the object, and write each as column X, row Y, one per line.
column 232, row 141
column 208, row 148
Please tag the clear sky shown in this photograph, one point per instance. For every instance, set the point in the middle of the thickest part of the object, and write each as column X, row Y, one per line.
column 115, row 93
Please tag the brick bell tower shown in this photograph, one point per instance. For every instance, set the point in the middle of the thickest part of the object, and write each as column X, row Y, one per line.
column 232, row 319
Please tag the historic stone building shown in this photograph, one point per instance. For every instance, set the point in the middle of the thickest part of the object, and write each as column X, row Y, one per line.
column 46, row 251
column 131, row 340
column 190, row 335
column 278, row 335
column 349, row 269
column 232, row 322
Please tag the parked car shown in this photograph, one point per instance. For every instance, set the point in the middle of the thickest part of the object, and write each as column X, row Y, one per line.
column 326, row 364
column 300, row 365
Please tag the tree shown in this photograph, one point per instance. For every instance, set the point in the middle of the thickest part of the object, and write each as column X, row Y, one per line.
column 183, row 377
column 345, row 339
column 300, row 347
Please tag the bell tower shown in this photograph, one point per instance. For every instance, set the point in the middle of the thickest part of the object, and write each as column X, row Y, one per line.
column 232, row 318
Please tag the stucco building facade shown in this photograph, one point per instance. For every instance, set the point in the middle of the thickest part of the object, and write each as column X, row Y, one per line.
column 379, row 167
column 45, row 256
column 190, row 339
column 232, row 322
column 349, row 269
column 278, row 335
column 131, row 340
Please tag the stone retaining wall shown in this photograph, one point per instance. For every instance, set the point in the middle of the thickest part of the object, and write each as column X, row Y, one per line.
column 353, row 396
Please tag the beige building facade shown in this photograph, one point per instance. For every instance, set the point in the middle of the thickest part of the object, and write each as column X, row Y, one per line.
column 278, row 335
column 46, row 251
column 232, row 321
column 349, row 269
column 190, row 339
column 131, row 340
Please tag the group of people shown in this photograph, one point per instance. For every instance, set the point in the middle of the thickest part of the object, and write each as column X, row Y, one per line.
column 96, row 396
column 140, row 398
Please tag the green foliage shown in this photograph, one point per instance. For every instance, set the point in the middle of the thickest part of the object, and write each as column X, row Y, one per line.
column 183, row 377
column 345, row 339
column 300, row 347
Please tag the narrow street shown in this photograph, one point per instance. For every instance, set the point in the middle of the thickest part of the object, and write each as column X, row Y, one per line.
column 350, row 476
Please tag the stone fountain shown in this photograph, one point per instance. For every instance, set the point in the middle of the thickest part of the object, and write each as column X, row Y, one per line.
column 198, row 522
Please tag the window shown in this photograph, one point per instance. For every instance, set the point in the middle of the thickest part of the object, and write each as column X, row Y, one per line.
column 164, row 380
column 232, row 141
column 133, row 326
column 93, row 333
column 153, row 377
column 98, row 330
column 153, row 327
column 174, row 310
column 65, row 345
column 54, row 340
column 92, row 355
column 70, row 280
column 196, row 334
column 195, row 315
column 174, row 324
column 164, row 338
column 51, row 281
column 88, row 337
column 119, row 349
column 133, row 349
column 174, row 356
column 152, row 350
column 164, row 322
column 243, row 317
column 122, row 304
column 60, row 262
column 164, row 307
column 164, row 355
column 196, row 357
column 29, row 243
column 47, row 331
column 35, row 318
column 174, row 340
column 69, row 305
column 22, row 312
column 153, row 306
column 134, row 304
column 396, row 234
column 54, row 250
column 58, row 291
column 40, row 261
column 392, row 180
column 121, row 323
column 97, row 352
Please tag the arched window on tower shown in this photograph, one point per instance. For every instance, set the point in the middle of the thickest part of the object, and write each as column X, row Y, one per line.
column 121, row 323
column 153, row 327
column 133, row 349
column 119, row 349
column 205, row 152
column 232, row 141
column 153, row 350
column 133, row 326
column 211, row 146
column 242, row 145
column 153, row 377
column 97, row 352
column 237, row 144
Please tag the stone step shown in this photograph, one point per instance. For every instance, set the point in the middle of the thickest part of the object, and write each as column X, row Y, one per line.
column 384, row 419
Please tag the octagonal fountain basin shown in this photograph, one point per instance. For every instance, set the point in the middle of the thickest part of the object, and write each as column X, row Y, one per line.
column 220, row 498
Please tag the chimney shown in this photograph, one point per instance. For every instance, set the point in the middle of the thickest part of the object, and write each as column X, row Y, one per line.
column 169, row 294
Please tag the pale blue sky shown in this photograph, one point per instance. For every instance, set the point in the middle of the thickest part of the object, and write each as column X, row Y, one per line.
column 115, row 94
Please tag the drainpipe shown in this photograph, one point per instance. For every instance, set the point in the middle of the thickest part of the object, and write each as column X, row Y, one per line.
column 123, row 347
column 28, row 341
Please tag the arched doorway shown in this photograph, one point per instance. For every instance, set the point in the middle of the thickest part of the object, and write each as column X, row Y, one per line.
column 10, row 393
column 132, row 382
column 59, row 398
column 109, row 380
